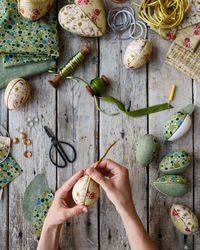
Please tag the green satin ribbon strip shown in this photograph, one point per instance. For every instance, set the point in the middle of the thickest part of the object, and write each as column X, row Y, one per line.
column 98, row 87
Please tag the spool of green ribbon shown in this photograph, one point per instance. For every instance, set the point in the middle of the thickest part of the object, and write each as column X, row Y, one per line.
column 97, row 88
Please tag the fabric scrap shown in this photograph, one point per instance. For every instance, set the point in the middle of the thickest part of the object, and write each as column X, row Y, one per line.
column 184, row 60
column 9, row 170
column 24, row 41
column 1, row 194
column 35, row 189
column 4, row 147
column 23, row 71
column 40, row 212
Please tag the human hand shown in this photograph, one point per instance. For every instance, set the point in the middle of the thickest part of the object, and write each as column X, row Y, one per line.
column 114, row 179
column 63, row 206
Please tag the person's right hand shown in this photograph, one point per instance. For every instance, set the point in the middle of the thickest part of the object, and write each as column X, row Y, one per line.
column 114, row 179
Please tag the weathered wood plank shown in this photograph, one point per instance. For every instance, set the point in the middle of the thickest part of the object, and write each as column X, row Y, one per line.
column 196, row 163
column 42, row 105
column 129, row 86
column 161, row 78
column 77, row 124
column 4, row 201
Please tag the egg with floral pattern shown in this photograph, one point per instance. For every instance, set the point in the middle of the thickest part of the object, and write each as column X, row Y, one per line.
column 17, row 93
column 184, row 219
column 176, row 162
column 34, row 9
column 84, row 18
column 137, row 53
column 79, row 192
column 171, row 185
column 178, row 125
column 146, row 149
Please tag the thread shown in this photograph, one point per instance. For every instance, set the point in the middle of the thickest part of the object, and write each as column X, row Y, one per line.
column 122, row 19
column 163, row 14
column 97, row 88
column 95, row 166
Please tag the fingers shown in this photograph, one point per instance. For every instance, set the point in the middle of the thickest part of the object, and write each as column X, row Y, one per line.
column 67, row 186
column 97, row 176
column 75, row 211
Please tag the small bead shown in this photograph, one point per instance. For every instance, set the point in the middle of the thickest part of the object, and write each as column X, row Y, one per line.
column 15, row 140
column 23, row 136
column 27, row 142
column 27, row 154
column 21, row 130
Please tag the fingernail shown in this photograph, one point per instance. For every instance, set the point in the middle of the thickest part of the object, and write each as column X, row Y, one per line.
column 90, row 171
column 84, row 210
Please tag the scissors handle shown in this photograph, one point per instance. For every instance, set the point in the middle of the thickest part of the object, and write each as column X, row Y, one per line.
column 57, row 145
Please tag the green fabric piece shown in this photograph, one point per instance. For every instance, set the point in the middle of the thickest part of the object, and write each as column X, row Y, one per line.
column 189, row 109
column 9, row 170
column 41, row 209
column 33, row 192
column 172, row 185
column 175, row 163
column 23, row 41
column 146, row 150
column 23, row 71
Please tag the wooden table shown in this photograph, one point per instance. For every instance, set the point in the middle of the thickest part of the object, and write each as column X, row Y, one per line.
column 70, row 112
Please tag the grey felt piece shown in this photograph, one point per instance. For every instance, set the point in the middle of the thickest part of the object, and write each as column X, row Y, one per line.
column 23, row 71
column 189, row 109
column 146, row 149
column 35, row 189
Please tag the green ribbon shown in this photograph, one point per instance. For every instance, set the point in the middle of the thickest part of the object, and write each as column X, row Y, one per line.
column 98, row 87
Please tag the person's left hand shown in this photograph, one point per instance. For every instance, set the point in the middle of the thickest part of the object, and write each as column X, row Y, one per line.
column 63, row 206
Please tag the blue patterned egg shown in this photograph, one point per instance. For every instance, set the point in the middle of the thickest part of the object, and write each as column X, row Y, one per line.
column 146, row 150
column 171, row 185
column 175, row 163
column 178, row 124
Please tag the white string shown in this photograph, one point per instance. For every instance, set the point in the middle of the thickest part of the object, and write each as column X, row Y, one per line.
column 123, row 19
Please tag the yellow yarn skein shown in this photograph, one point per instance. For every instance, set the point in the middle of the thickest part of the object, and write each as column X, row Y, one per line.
column 163, row 14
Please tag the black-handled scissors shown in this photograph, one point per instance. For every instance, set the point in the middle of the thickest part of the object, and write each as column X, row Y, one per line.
column 58, row 147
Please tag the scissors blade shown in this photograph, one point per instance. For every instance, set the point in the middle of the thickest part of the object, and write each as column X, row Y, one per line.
column 48, row 131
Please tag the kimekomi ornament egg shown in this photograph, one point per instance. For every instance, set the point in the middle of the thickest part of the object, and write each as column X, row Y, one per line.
column 146, row 149
column 176, row 162
column 79, row 190
column 84, row 18
column 178, row 124
column 171, row 185
column 137, row 53
column 34, row 9
column 17, row 93
column 184, row 219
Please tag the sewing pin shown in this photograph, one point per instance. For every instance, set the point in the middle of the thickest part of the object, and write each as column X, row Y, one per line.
column 172, row 94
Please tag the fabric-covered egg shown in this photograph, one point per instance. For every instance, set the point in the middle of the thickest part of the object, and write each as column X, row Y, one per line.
column 34, row 9
column 137, row 53
column 175, row 163
column 184, row 219
column 79, row 190
column 17, row 93
column 146, row 149
column 84, row 18
column 178, row 124
column 171, row 185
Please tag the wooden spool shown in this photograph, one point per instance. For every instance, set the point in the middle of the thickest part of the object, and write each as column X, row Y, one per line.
column 104, row 78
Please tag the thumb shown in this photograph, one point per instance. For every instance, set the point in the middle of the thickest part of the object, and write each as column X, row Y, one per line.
column 77, row 210
column 97, row 176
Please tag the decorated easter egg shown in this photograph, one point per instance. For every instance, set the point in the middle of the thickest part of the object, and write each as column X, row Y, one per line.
column 34, row 9
column 175, row 163
column 84, row 18
column 17, row 93
column 146, row 150
column 79, row 192
column 171, row 185
column 178, row 124
column 137, row 53
column 184, row 219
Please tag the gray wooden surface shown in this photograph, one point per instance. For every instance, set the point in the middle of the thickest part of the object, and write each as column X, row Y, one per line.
column 71, row 113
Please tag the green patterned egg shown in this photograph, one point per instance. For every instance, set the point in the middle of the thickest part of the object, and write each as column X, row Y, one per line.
column 178, row 124
column 146, row 149
column 184, row 219
column 171, row 185
column 175, row 163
